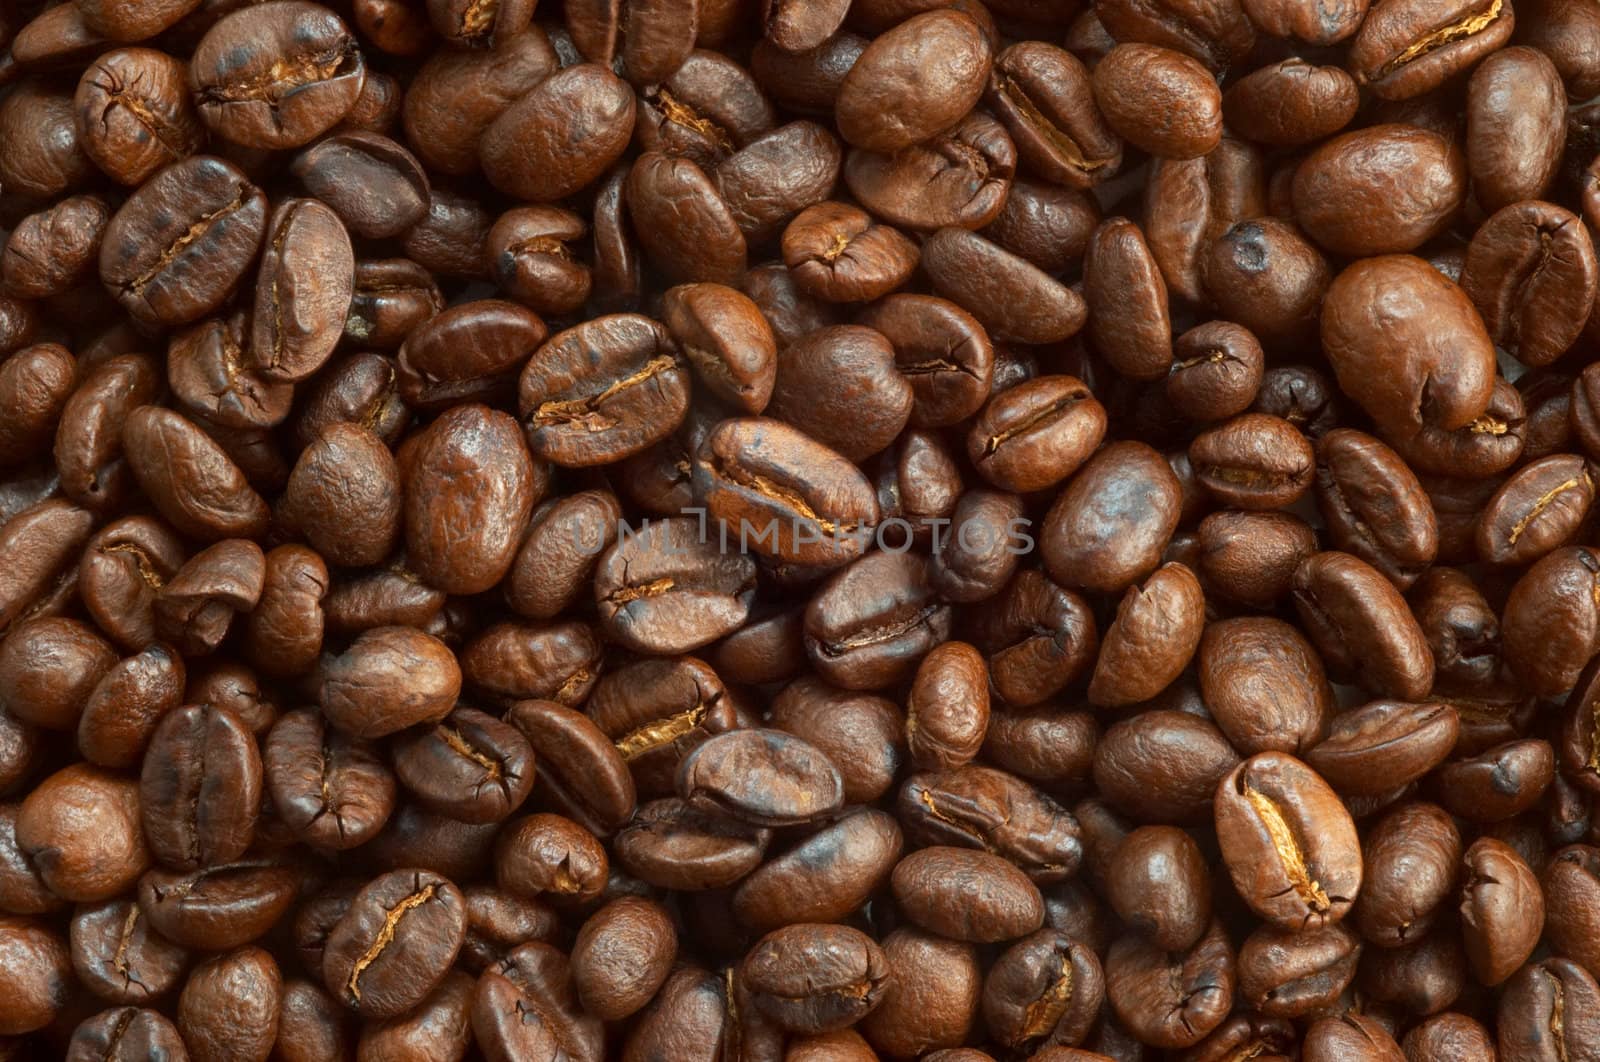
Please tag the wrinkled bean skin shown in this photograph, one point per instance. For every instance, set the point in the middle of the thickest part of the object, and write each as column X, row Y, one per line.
column 1345, row 199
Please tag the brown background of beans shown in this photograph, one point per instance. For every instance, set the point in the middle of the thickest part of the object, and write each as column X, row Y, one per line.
column 800, row 530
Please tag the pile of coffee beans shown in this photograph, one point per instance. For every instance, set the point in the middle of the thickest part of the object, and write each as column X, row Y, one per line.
column 800, row 530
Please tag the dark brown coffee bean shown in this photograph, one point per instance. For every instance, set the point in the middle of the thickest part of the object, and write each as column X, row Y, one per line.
column 1045, row 989
column 764, row 777
column 217, row 907
column 1412, row 47
column 389, row 679
column 80, row 829
column 200, row 788
column 177, row 247
column 1529, row 270
column 191, row 480
column 960, row 177
column 1043, row 95
column 277, row 77
column 1502, row 909
column 1288, row 843
column 394, row 190
column 1341, row 191
column 581, row 409
column 1136, row 82
column 1291, row 103
column 469, row 489
column 823, row 878
column 871, row 622
column 470, row 766
column 966, row 895
column 913, row 81
column 135, row 114
column 783, row 494
column 328, row 788
column 530, row 259
column 838, row 253
column 810, row 978
column 1384, row 744
column 1362, row 626
column 303, row 290
column 930, row 1002
column 1171, row 999
column 1155, row 632
column 1010, row 296
column 1254, row 461
column 675, row 845
column 560, row 136
column 842, row 387
column 1107, row 529
column 1264, row 685
column 550, row 855
column 395, row 943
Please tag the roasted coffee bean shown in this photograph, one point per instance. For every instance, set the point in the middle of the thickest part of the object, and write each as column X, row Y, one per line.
column 1171, row 999
column 1136, row 82
column 200, row 787
column 1107, row 529
column 913, row 81
column 810, row 978
column 1264, row 685
column 686, row 227
column 931, row 999
column 1010, row 296
column 966, row 895
column 1254, row 461
column 982, row 808
column 1362, row 626
column 603, row 391
column 823, row 878
column 395, row 943
column 1502, row 909
column 1341, row 190
column 871, row 622
column 1036, row 434
column 960, row 177
column 1045, row 989
column 191, row 480
column 548, row 854
column 277, row 77
column 303, row 290
column 843, row 387
column 466, row 352
column 1152, row 638
column 390, row 678
column 1288, row 843
column 180, row 243
column 674, row 844
column 470, row 766
column 469, row 487
column 1412, row 47
column 1529, row 269
column 764, row 777
column 1385, row 744
column 217, row 907
column 135, row 113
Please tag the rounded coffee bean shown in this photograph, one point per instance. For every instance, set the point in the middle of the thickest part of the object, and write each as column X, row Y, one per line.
column 811, row 978
column 966, row 895
column 278, row 75
column 764, row 777
column 622, row 955
column 390, row 678
column 395, row 943
column 176, row 248
column 1135, row 83
column 1288, row 842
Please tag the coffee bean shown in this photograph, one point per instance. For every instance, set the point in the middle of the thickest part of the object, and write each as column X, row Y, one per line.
column 395, row 943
